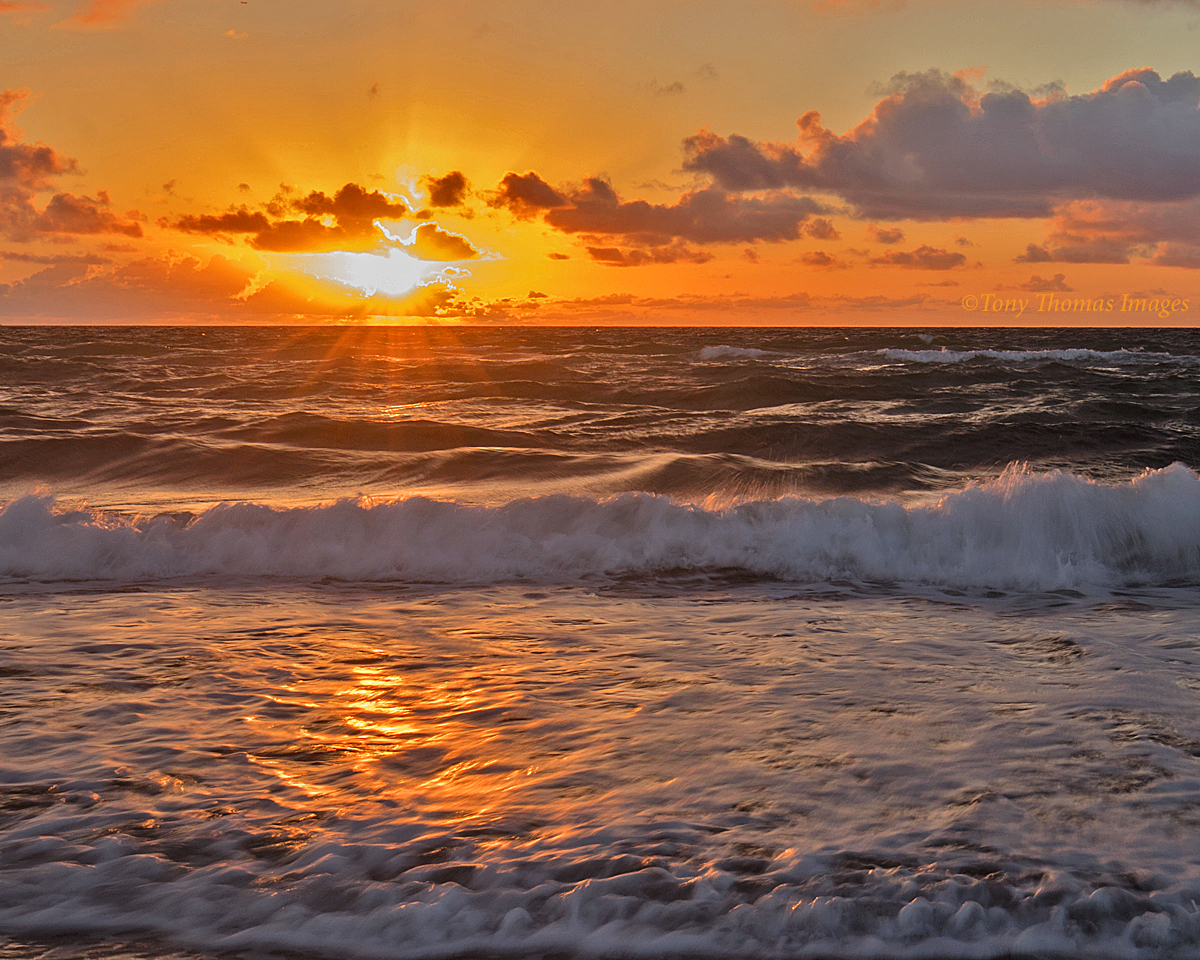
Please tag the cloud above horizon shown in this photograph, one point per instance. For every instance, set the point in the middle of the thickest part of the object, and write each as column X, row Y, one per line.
column 936, row 148
column 27, row 169
column 344, row 221
column 617, row 232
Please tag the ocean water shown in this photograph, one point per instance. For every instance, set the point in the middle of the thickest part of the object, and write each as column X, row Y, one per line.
column 375, row 643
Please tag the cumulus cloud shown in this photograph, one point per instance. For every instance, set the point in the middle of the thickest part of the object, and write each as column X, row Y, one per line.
column 347, row 220
column 27, row 169
column 1112, row 231
column 640, row 257
column 710, row 215
column 924, row 257
column 447, row 191
column 935, row 147
column 885, row 235
column 701, row 216
column 821, row 229
column 1034, row 253
column 819, row 258
column 431, row 242
column 1057, row 284
column 525, row 195
column 241, row 220
column 352, row 204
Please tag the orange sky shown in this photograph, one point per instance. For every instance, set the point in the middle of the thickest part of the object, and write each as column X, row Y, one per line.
column 782, row 162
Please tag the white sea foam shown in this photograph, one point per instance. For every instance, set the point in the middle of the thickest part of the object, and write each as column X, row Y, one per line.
column 1023, row 531
column 724, row 350
column 329, row 906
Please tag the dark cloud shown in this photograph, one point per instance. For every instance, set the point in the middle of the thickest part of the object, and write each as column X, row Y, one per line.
column 27, row 169
column 1034, row 254
column 705, row 216
column 640, row 257
column 558, row 256
column 1178, row 255
column 344, row 221
column 887, row 235
column 1057, row 284
column 819, row 258
column 936, row 148
column 351, row 205
column 1112, row 231
column 313, row 235
column 72, row 215
column 821, row 229
column 241, row 220
column 526, row 195
column 924, row 257
column 447, row 191
column 701, row 216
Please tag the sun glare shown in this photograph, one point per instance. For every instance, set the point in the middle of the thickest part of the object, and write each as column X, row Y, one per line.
column 391, row 273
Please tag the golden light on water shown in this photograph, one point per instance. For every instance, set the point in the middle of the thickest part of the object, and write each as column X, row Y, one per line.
column 428, row 742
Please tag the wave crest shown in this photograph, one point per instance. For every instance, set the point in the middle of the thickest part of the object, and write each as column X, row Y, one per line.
column 1022, row 531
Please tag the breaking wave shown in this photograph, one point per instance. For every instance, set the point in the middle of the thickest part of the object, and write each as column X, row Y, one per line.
column 1024, row 530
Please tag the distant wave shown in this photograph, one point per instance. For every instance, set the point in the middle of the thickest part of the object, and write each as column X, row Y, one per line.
column 1023, row 531
column 723, row 350
column 946, row 355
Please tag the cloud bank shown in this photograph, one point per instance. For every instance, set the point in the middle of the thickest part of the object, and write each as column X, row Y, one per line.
column 936, row 148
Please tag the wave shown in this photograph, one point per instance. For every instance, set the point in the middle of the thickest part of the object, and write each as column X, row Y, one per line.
column 723, row 350
column 1025, row 530
column 1068, row 355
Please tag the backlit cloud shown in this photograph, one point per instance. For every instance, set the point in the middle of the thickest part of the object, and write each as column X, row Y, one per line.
column 935, row 147
column 447, row 191
column 344, row 221
column 27, row 169
column 711, row 215
column 1113, row 231
column 525, row 195
column 431, row 242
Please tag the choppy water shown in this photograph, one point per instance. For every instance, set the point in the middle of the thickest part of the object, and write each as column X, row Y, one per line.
column 405, row 643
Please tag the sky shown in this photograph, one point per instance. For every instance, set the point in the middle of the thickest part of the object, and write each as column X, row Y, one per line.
column 776, row 162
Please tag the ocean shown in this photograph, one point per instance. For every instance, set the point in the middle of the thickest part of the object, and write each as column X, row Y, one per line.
column 393, row 643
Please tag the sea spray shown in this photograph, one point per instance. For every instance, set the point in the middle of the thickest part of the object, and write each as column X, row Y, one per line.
column 1025, row 530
